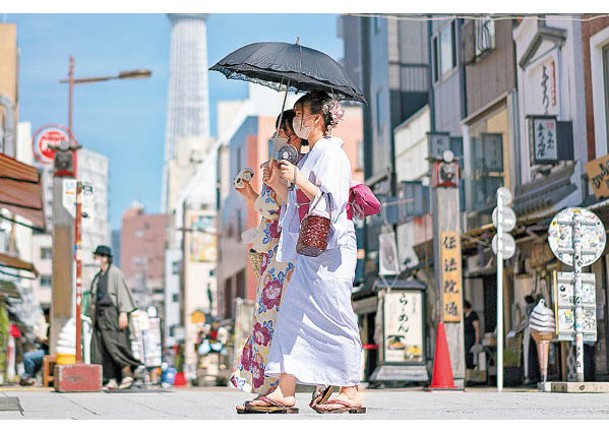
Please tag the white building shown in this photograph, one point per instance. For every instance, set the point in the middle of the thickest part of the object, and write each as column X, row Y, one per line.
column 93, row 168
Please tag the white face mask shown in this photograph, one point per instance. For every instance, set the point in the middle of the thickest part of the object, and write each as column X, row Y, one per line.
column 300, row 129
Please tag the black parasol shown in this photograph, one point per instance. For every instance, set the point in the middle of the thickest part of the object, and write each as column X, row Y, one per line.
column 291, row 67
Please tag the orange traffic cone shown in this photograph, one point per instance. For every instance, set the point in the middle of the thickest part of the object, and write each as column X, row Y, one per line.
column 442, row 378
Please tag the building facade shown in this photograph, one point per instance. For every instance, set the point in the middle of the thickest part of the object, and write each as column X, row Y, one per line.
column 143, row 244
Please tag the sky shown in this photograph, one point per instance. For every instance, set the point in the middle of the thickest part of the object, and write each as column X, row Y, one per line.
column 125, row 119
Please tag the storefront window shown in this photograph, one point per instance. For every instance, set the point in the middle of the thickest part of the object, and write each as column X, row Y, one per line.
column 488, row 159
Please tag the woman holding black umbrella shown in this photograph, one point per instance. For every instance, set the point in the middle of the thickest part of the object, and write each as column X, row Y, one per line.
column 317, row 337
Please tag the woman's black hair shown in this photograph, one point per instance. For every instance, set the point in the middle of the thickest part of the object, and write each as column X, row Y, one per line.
column 316, row 101
column 466, row 304
column 319, row 102
column 286, row 120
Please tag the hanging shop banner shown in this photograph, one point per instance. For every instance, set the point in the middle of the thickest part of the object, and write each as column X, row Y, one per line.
column 202, row 231
column 565, row 305
column 403, row 327
column 388, row 255
column 450, row 257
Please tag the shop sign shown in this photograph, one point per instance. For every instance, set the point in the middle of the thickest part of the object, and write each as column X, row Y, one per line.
column 565, row 305
column 543, row 133
column 450, row 257
column 598, row 174
column 403, row 327
column 202, row 240
column 47, row 139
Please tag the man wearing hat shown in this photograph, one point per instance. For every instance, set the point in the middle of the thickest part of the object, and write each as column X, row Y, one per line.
column 110, row 306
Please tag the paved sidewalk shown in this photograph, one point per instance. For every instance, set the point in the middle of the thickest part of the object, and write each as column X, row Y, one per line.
column 219, row 403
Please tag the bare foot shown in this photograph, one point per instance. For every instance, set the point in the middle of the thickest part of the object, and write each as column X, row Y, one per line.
column 341, row 401
column 275, row 396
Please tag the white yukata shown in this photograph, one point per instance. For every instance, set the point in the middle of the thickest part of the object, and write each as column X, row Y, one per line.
column 317, row 337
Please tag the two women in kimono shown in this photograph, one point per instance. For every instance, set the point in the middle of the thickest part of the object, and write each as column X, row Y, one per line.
column 316, row 338
column 273, row 276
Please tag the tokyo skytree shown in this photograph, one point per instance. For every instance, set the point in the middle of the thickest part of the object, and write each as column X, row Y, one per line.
column 188, row 94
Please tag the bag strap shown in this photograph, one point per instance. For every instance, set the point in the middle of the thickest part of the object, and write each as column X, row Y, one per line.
column 315, row 205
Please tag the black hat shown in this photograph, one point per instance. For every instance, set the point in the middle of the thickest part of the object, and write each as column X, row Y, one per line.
column 103, row 250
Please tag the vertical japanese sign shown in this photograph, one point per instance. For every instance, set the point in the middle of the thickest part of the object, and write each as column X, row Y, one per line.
column 403, row 327
column 598, row 174
column 450, row 256
column 542, row 133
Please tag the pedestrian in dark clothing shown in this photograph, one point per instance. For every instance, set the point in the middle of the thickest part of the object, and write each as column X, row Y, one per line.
column 111, row 304
column 471, row 323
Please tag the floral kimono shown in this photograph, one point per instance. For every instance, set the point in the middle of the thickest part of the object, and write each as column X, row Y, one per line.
column 249, row 375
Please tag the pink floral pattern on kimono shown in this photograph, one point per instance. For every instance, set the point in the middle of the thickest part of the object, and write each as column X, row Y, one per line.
column 274, row 277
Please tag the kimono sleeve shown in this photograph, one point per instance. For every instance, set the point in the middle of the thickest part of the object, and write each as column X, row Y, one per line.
column 332, row 174
column 124, row 296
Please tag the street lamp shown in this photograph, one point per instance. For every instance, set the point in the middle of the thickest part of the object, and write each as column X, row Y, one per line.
column 72, row 81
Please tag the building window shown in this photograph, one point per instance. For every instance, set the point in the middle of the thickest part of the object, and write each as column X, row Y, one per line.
column 45, row 281
column 360, row 155
column 212, row 272
column 485, row 35
column 175, row 268
column 448, row 48
column 488, row 138
column 46, row 253
column 377, row 24
column 175, row 297
column 139, row 234
column 436, row 59
column 379, row 117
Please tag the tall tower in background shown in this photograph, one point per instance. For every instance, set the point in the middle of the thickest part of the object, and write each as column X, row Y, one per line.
column 188, row 96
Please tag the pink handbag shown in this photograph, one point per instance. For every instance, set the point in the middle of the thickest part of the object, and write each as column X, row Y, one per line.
column 362, row 202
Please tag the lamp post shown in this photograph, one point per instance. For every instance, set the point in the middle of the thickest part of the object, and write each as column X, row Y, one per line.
column 62, row 221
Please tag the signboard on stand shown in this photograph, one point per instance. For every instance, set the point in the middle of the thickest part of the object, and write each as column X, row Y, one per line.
column 403, row 327
column 402, row 347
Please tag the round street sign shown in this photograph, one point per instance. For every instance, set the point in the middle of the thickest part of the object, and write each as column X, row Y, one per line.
column 508, row 218
column 589, row 230
column 505, row 195
column 509, row 246
column 45, row 139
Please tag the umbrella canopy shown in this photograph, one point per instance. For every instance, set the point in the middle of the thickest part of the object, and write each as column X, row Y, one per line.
column 282, row 66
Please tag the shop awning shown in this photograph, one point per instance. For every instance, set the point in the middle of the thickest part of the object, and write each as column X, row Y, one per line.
column 7, row 261
column 21, row 190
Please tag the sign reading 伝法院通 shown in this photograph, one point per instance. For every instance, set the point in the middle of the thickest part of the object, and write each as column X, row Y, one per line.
column 450, row 257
